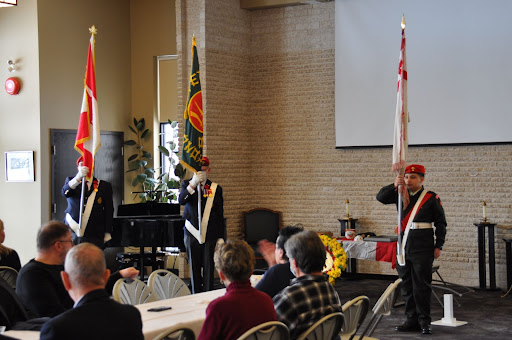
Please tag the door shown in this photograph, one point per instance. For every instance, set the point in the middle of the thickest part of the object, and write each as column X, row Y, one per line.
column 109, row 166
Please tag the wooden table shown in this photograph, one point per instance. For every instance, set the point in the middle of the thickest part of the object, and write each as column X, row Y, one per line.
column 188, row 311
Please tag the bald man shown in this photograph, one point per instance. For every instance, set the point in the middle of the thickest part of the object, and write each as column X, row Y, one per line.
column 94, row 315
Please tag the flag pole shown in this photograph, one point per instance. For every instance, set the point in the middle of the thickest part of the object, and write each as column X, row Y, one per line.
column 400, row 141
column 87, row 140
column 82, row 194
column 193, row 131
column 199, row 199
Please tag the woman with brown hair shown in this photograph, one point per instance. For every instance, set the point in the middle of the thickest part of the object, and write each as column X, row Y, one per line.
column 242, row 307
column 8, row 257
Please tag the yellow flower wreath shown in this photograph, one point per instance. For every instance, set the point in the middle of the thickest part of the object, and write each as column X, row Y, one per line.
column 336, row 258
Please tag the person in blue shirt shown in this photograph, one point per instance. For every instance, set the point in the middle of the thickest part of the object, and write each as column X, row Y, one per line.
column 278, row 276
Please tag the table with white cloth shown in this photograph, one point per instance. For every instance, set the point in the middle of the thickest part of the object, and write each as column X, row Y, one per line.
column 25, row 335
column 187, row 311
column 366, row 250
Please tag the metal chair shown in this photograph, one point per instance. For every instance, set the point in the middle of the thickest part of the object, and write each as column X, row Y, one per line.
column 272, row 330
column 132, row 292
column 176, row 333
column 381, row 308
column 9, row 275
column 167, row 284
column 441, row 284
column 354, row 312
column 326, row 328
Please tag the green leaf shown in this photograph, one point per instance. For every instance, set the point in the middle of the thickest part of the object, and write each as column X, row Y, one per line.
column 142, row 163
column 149, row 171
column 144, row 133
column 163, row 150
column 150, row 181
column 141, row 124
column 141, row 177
column 173, row 124
column 135, row 165
column 135, row 182
column 179, row 171
column 135, row 121
column 132, row 157
column 165, row 177
column 133, row 130
column 147, row 155
column 130, row 142
column 173, row 184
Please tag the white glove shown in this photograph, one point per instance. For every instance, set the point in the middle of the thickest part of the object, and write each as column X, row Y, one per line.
column 82, row 172
column 194, row 182
column 202, row 176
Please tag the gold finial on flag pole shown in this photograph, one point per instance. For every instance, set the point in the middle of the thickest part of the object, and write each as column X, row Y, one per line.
column 403, row 21
column 93, row 30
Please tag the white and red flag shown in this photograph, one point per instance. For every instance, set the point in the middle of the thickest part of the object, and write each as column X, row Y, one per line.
column 87, row 140
column 400, row 141
column 402, row 118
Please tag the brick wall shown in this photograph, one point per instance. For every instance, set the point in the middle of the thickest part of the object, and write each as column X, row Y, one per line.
column 268, row 80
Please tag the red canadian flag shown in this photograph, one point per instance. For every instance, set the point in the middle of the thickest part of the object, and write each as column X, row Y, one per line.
column 87, row 140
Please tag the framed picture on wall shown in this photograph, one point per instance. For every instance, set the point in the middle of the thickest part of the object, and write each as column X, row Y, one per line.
column 19, row 166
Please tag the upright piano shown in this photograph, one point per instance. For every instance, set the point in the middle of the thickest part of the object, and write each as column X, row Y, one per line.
column 148, row 224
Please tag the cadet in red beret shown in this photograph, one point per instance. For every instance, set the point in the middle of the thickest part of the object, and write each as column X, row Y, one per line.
column 420, row 248
column 201, row 247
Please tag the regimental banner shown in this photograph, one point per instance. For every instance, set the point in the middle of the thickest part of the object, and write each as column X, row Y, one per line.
column 193, row 135
column 400, row 141
column 87, row 140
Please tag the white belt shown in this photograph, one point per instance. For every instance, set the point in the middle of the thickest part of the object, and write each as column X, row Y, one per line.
column 421, row 225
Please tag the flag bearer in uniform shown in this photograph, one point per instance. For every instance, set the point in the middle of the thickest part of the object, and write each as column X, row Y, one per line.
column 419, row 244
column 98, row 211
column 201, row 245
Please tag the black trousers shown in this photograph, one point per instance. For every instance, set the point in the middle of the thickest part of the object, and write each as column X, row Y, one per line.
column 200, row 258
column 416, row 286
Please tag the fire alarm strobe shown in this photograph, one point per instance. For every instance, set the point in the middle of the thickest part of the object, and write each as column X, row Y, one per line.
column 12, row 85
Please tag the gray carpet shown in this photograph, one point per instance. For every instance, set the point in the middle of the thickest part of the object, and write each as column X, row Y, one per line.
column 488, row 315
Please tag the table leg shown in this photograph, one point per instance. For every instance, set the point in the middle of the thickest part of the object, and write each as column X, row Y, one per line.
column 481, row 256
column 141, row 264
column 508, row 252
column 492, row 259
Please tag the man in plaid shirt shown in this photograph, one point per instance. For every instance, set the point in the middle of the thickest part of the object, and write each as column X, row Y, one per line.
column 310, row 296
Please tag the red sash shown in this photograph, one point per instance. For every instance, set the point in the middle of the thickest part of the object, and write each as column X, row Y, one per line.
column 405, row 220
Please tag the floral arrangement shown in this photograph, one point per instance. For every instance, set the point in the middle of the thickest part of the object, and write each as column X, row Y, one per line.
column 336, row 259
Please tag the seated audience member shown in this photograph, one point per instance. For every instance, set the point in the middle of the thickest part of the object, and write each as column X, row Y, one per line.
column 94, row 315
column 310, row 296
column 242, row 307
column 39, row 285
column 8, row 257
column 278, row 276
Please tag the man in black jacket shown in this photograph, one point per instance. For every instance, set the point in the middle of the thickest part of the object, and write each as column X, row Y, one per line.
column 98, row 210
column 200, row 242
column 423, row 210
column 39, row 285
column 94, row 315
